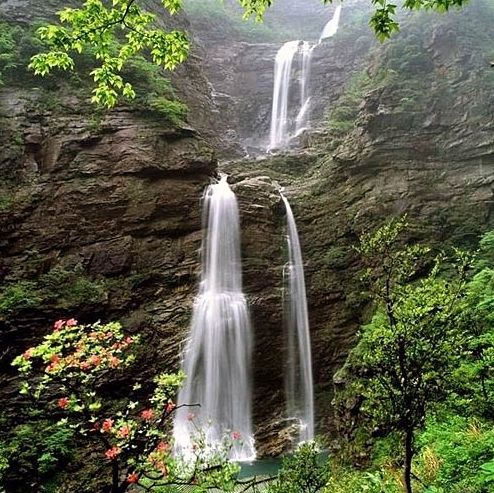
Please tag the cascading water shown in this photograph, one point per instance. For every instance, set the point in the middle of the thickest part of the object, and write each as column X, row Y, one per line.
column 278, row 136
column 281, row 130
column 301, row 119
column 331, row 27
column 299, row 385
column 217, row 359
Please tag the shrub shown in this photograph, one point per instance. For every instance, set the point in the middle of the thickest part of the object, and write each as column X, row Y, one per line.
column 22, row 294
column 64, row 374
column 461, row 446
column 34, row 450
column 305, row 471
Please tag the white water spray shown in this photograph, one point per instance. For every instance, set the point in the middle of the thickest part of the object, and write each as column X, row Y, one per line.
column 299, row 383
column 331, row 28
column 282, row 128
column 217, row 359
column 278, row 136
column 301, row 120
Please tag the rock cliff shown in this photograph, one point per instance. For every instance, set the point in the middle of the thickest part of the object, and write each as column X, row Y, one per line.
column 100, row 212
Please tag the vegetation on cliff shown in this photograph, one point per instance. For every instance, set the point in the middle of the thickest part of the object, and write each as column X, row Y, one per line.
column 115, row 34
column 419, row 385
column 63, row 376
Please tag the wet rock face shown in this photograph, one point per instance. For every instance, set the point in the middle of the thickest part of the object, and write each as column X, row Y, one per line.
column 115, row 203
column 418, row 145
column 262, row 257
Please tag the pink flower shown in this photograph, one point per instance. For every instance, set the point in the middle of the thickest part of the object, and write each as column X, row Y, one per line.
column 129, row 340
column 72, row 322
column 58, row 325
column 114, row 362
column 235, row 435
column 54, row 359
column 147, row 414
column 95, row 360
column 63, row 402
column 84, row 366
column 124, row 431
column 133, row 478
column 113, row 452
column 28, row 353
column 107, row 424
column 170, row 407
column 163, row 447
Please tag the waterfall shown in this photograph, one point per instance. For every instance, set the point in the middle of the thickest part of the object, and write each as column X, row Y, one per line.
column 279, row 114
column 331, row 27
column 281, row 131
column 299, row 385
column 301, row 119
column 217, row 359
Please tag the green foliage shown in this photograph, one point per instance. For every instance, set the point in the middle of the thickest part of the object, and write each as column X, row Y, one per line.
column 34, row 450
column 98, row 29
column 174, row 111
column 22, row 294
column 17, row 45
column 455, row 454
column 368, row 481
column 224, row 20
column 60, row 287
column 7, row 48
column 305, row 471
column 406, row 356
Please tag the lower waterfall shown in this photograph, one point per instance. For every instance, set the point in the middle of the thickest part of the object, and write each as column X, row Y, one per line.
column 217, row 360
column 298, row 378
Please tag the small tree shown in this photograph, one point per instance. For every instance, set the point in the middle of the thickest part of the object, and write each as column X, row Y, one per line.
column 304, row 471
column 407, row 353
column 63, row 375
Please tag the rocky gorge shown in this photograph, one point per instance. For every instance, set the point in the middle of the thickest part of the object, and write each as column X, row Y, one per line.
column 100, row 211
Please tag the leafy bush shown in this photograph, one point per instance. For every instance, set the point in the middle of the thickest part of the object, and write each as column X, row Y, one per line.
column 62, row 287
column 34, row 450
column 64, row 373
column 221, row 17
column 305, row 471
column 173, row 111
column 355, row 481
column 22, row 294
column 461, row 446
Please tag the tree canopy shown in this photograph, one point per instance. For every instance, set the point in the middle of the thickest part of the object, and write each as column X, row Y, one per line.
column 115, row 32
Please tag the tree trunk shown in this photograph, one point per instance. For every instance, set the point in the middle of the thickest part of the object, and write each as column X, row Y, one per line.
column 407, row 467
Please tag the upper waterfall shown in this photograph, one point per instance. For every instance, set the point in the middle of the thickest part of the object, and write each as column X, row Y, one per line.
column 299, row 382
column 303, row 113
column 331, row 27
column 283, row 125
column 217, row 360
column 279, row 133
